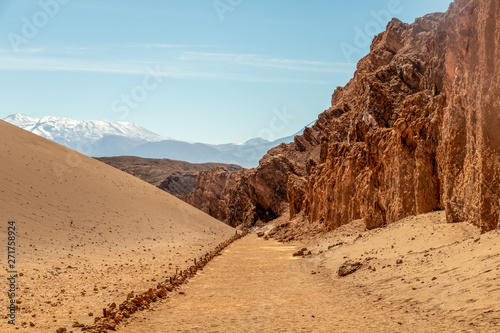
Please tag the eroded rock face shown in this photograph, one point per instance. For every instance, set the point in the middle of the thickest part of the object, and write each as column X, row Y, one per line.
column 260, row 194
column 246, row 196
column 417, row 129
column 471, row 121
column 174, row 177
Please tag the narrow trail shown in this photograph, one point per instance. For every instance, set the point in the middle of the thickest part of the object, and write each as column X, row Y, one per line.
column 258, row 286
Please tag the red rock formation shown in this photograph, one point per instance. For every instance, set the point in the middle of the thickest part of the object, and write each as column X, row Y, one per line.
column 417, row 129
column 471, row 120
column 174, row 177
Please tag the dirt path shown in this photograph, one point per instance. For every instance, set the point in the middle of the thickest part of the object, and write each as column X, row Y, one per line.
column 257, row 286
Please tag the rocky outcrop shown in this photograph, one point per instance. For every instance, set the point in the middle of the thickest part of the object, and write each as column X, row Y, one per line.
column 174, row 177
column 260, row 194
column 416, row 130
column 247, row 196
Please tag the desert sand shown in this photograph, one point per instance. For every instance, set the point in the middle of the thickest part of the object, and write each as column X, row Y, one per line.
column 87, row 234
column 258, row 286
column 423, row 263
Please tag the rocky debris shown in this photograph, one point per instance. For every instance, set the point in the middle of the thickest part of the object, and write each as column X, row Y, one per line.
column 260, row 234
column 415, row 130
column 115, row 314
column 349, row 267
column 61, row 330
column 284, row 232
column 302, row 252
column 335, row 245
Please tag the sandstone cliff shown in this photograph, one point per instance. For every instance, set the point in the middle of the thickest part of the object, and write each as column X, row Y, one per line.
column 417, row 129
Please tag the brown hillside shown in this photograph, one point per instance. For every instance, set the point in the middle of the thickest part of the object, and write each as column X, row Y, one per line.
column 174, row 177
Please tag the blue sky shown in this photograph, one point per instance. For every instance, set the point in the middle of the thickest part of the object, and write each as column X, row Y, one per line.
column 197, row 70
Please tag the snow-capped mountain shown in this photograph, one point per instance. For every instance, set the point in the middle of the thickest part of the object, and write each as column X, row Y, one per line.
column 102, row 139
column 79, row 134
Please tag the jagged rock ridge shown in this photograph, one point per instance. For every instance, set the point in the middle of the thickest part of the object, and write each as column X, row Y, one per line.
column 415, row 130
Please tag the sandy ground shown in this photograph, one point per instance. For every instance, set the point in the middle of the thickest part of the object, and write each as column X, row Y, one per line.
column 258, row 286
column 87, row 234
column 421, row 263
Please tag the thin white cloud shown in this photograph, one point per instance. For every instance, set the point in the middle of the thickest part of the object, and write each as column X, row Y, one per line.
column 270, row 62
column 182, row 67
column 108, row 47
column 26, row 63
column 23, row 51
column 161, row 46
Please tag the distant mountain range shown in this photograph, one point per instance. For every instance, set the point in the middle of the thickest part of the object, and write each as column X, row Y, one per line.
column 102, row 138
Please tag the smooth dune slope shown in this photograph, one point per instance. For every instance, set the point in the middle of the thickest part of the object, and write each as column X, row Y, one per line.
column 87, row 234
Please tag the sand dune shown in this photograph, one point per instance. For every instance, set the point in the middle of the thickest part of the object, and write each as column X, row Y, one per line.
column 87, row 234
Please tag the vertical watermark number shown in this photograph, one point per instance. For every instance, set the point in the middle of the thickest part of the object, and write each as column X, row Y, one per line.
column 11, row 271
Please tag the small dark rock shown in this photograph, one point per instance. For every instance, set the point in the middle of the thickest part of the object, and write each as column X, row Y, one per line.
column 77, row 324
column 335, row 245
column 302, row 252
column 349, row 267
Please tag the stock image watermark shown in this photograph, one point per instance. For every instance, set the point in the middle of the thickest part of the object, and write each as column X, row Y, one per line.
column 31, row 26
column 73, row 159
column 222, row 7
column 278, row 124
column 138, row 94
column 11, row 272
column 364, row 36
